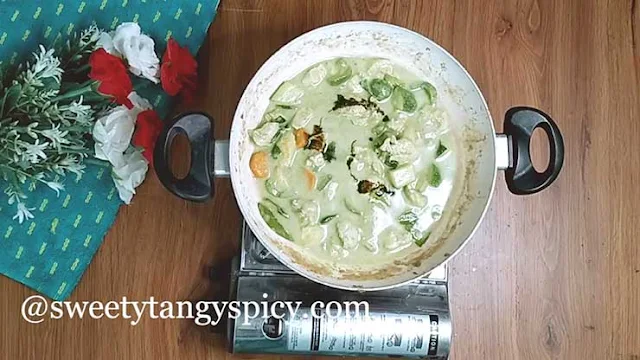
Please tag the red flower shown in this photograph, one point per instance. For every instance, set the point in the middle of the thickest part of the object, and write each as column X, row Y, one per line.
column 178, row 72
column 111, row 72
column 148, row 127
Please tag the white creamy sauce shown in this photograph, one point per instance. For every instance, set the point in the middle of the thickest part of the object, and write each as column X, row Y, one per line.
column 376, row 171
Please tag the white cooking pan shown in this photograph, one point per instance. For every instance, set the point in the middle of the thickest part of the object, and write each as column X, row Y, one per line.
column 482, row 152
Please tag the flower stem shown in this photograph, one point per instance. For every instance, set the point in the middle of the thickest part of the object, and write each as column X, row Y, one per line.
column 75, row 93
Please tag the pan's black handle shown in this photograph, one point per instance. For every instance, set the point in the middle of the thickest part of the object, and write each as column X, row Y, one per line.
column 522, row 178
column 197, row 185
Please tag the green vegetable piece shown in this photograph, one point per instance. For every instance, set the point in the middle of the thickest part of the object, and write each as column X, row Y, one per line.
column 272, row 221
column 287, row 94
column 327, row 219
column 408, row 220
column 324, row 181
column 276, row 152
column 422, row 240
column 423, row 182
column 392, row 80
column 436, row 178
column 379, row 89
column 441, row 149
column 414, row 197
column 431, row 91
column 340, row 73
column 403, row 100
column 279, row 208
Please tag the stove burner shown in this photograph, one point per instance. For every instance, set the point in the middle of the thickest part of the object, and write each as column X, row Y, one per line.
column 421, row 307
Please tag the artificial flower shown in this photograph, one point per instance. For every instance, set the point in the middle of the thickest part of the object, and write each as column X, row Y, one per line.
column 112, row 132
column 130, row 174
column 105, row 41
column 178, row 72
column 130, row 43
column 110, row 72
column 148, row 127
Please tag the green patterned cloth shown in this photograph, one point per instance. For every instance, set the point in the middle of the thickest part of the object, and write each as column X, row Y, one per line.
column 51, row 252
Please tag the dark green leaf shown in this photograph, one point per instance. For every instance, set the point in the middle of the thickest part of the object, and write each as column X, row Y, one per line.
column 272, row 221
column 441, row 149
column 342, row 102
column 330, row 152
column 435, row 178
column 275, row 152
column 349, row 161
column 392, row 164
column 11, row 96
column 386, row 119
column 422, row 240
column 327, row 219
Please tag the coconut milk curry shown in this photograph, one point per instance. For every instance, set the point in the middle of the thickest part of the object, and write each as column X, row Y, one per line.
column 355, row 160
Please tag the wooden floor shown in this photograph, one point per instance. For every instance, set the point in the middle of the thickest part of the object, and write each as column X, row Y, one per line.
column 550, row 276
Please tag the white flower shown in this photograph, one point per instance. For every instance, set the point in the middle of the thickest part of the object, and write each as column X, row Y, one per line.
column 137, row 48
column 139, row 102
column 112, row 132
column 56, row 136
column 55, row 186
column 33, row 152
column 130, row 174
column 105, row 41
column 23, row 213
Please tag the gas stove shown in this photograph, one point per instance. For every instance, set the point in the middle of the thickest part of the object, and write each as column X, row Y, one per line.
column 411, row 321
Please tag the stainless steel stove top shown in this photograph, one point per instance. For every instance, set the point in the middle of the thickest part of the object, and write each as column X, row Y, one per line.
column 412, row 320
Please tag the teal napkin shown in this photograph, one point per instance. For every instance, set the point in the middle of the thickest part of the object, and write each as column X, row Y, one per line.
column 51, row 252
